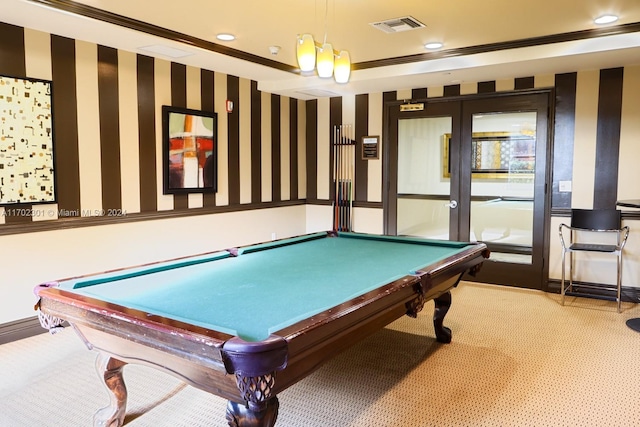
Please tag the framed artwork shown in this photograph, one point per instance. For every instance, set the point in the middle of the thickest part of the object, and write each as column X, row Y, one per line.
column 26, row 142
column 189, row 150
column 496, row 155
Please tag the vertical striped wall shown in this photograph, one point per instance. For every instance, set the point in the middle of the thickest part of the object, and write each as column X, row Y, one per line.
column 596, row 134
column 275, row 149
column 108, row 134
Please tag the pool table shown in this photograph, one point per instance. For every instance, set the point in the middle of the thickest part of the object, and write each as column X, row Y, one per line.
column 248, row 322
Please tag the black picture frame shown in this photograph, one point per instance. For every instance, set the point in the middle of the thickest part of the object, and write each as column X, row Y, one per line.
column 189, row 147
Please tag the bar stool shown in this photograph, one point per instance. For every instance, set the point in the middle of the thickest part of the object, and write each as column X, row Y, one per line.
column 587, row 223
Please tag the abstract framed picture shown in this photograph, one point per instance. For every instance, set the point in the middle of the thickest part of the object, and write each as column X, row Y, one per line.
column 26, row 142
column 189, row 150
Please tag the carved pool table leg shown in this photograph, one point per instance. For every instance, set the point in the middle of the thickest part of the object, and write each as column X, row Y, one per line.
column 260, row 406
column 110, row 370
column 443, row 302
column 241, row 415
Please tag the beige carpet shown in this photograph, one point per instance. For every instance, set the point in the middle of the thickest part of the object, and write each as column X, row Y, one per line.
column 518, row 358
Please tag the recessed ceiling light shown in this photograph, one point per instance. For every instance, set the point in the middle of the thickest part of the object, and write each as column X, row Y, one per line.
column 605, row 19
column 433, row 45
column 226, row 37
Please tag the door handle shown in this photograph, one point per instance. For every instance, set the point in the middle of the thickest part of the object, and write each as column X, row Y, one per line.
column 452, row 204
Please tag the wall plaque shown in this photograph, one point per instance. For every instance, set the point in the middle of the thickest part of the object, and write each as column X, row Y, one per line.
column 370, row 147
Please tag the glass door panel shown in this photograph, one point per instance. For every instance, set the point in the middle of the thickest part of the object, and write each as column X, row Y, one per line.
column 503, row 164
column 424, row 186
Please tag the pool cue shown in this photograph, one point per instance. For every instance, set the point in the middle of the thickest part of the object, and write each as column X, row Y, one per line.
column 339, row 158
column 352, row 151
column 347, row 180
column 345, row 158
column 335, row 177
column 339, row 181
column 341, row 173
column 352, row 157
column 339, row 139
column 342, row 177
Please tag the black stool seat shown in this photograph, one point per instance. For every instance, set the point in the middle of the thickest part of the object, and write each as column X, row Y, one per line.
column 592, row 247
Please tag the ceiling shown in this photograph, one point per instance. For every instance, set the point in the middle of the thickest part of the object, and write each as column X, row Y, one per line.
column 488, row 40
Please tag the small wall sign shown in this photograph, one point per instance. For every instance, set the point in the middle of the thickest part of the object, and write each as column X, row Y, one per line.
column 370, row 147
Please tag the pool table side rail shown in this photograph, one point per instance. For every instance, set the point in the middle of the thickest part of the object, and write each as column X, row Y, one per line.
column 314, row 341
column 470, row 260
column 428, row 278
column 90, row 279
column 414, row 240
column 181, row 261
column 149, row 269
column 159, row 332
column 198, row 364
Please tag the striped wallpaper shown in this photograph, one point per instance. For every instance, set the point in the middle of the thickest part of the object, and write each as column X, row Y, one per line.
column 108, row 135
column 274, row 149
column 595, row 119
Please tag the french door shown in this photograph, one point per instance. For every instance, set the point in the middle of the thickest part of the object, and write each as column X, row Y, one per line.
column 474, row 169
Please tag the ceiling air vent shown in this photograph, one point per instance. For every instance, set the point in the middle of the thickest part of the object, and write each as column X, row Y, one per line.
column 318, row 93
column 398, row 24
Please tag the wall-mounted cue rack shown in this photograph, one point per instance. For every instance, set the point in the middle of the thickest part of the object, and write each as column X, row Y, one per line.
column 344, row 151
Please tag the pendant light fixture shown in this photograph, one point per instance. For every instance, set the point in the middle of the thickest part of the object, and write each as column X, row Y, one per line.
column 306, row 52
column 322, row 58
column 342, row 69
column 325, row 61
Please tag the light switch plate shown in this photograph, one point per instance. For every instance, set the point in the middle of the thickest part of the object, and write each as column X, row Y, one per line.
column 564, row 186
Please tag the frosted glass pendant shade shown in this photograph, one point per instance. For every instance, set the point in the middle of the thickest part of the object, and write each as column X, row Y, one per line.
column 342, row 68
column 306, row 52
column 325, row 61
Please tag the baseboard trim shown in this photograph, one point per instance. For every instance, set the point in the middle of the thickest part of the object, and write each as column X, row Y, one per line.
column 20, row 329
column 627, row 294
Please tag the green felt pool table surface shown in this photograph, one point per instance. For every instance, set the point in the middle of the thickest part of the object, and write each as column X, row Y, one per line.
column 278, row 282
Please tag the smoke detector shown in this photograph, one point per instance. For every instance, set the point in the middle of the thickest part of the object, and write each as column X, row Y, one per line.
column 398, row 25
